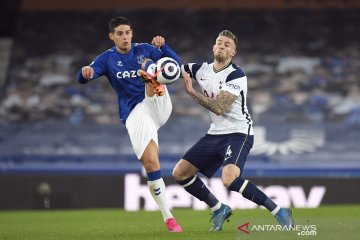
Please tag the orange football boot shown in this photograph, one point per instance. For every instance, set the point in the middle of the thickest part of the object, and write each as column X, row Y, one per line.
column 159, row 88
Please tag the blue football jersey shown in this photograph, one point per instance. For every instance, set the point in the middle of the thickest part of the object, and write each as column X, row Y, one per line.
column 122, row 72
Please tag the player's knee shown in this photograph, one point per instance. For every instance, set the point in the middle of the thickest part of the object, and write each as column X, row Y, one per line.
column 181, row 171
column 178, row 173
column 227, row 182
column 229, row 174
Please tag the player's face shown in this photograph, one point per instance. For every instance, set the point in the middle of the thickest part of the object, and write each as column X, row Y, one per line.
column 122, row 36
column 224, row 49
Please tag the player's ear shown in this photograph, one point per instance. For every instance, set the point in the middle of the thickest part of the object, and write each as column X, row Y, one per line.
column 233, row 53
column 111, row 36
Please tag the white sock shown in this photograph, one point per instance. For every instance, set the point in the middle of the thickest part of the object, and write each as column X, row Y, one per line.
column 216, row 207
column 158, row 191
column 275, row 211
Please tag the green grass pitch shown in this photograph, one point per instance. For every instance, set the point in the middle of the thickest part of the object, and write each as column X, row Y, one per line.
column 331, row 222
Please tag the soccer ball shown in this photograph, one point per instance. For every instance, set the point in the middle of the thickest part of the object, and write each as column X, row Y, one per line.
column 167, row 70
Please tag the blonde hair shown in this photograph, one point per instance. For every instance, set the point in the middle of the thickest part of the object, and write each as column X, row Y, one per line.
column 229, row 34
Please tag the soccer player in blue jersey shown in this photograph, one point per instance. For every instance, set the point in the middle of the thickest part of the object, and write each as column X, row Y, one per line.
column 144, row 104
column 230, row 137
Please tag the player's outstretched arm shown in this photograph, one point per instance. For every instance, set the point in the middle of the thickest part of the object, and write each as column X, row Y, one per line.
column 159, row 42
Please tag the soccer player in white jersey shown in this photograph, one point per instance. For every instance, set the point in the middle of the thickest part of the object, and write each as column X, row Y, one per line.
column 230, row 137
column 144, row 106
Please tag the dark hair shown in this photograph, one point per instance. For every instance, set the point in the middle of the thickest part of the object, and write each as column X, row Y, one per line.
column 118, row 21
column 229, row 34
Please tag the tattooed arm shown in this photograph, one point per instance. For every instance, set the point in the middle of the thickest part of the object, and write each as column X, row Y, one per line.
column 219, row 105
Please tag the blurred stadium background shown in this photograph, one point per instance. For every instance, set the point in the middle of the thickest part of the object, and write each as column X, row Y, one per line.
column 63, row 146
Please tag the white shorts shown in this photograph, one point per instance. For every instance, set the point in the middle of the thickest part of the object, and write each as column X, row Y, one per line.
column 145, row 120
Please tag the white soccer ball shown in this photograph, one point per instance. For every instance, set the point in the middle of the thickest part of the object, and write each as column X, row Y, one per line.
column 167, row 70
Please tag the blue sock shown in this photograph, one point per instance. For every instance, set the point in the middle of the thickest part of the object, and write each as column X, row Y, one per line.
column 152, row 176
column 251, row 192
column 197, row 188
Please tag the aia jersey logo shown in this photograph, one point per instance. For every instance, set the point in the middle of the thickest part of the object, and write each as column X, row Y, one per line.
column 210, row 95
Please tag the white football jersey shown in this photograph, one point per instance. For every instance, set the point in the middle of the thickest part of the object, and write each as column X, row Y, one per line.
column 232, row 79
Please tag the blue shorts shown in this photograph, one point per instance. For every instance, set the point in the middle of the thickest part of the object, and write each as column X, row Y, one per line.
column 213, row 151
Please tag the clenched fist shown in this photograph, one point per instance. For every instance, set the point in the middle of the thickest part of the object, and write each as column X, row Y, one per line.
column 87, row 72
column 158, row 41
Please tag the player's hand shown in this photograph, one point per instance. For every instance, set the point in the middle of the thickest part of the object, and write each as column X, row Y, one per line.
column 87, row 72
column 188, row 83
column 158, row 41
